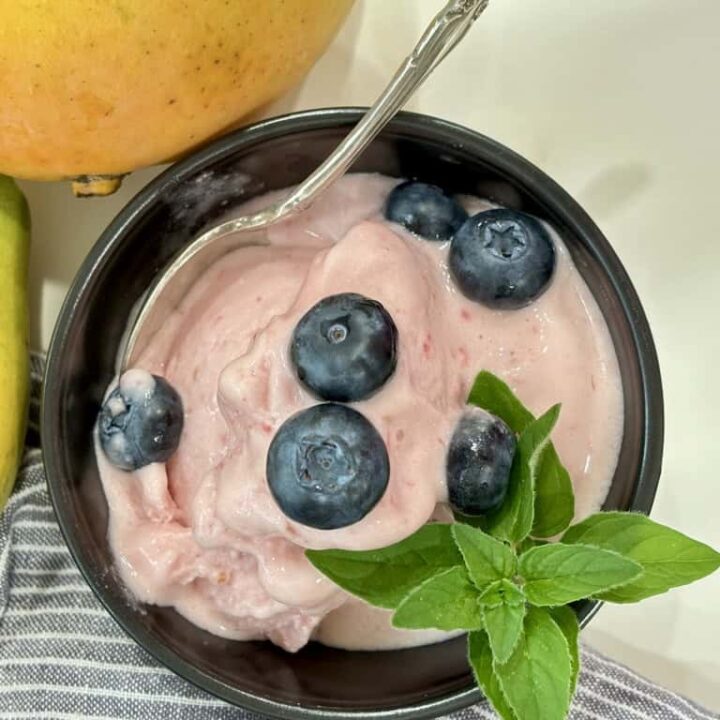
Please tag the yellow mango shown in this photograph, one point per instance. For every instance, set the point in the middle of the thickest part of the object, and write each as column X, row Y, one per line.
column 93, row 89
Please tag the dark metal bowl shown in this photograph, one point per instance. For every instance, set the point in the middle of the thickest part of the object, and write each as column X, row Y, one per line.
column 317, row 681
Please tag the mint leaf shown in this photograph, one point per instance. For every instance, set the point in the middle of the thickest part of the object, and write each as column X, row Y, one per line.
column 513, row 521
column 558, row 574
column 536, row 678
column 668, row 557
column 490, row 393
column 567, row 621
column 486, row 558
column 503, row 612
column 504, row 626
column 554, row 499
column 384, row 577
column 481, row 661
column 446, row 601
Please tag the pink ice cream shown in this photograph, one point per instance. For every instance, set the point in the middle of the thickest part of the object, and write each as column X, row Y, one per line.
column 203, row 534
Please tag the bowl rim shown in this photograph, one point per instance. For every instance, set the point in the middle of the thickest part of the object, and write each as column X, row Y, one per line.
column 522, row 171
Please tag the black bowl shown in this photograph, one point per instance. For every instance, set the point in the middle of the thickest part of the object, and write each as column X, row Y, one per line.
column 318, row 681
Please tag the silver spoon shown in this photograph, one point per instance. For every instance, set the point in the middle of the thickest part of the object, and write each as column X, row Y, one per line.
column 445, row 31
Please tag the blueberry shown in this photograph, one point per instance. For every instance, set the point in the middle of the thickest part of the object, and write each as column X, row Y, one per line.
column 502, row 258
column 425, row 210
column 327, row 466
column 141, row 421
column 344, row 348
column 479, row 459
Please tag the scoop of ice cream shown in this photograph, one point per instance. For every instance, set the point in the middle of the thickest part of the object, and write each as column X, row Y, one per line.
column 203, row 533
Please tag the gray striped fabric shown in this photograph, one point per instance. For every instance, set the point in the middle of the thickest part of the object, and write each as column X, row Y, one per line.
column 62, row 656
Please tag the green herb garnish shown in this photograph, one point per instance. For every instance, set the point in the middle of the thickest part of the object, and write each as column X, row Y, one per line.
column 554, row 505
column 496, row 577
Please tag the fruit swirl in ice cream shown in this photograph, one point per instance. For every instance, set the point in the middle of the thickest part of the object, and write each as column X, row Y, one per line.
column 240, row 439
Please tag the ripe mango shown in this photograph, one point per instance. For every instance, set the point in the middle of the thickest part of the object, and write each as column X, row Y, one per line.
column 93, row 89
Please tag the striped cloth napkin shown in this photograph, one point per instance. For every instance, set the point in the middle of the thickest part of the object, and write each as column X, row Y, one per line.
column 62, row 657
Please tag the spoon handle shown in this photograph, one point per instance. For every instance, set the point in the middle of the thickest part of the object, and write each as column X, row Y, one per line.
column 445, row 31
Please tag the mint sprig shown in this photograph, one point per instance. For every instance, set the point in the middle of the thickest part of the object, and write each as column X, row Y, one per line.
column 496, row 577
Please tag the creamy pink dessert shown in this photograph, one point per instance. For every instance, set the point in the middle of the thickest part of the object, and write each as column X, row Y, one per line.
column 203, row 533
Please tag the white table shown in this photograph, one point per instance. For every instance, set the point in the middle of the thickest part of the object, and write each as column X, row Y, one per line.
column 618, row 102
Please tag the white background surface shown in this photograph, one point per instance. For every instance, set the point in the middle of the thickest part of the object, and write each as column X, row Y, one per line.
column 619, row 102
